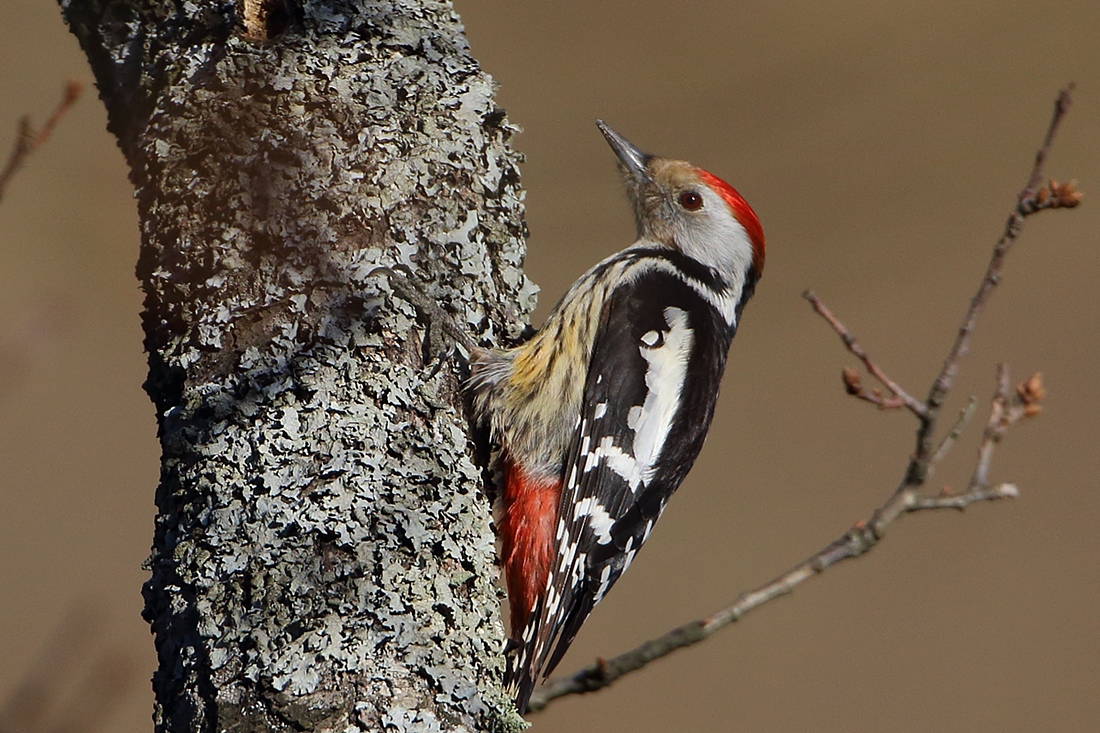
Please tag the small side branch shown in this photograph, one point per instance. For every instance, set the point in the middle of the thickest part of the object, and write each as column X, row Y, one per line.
column 1006, row 412
column 852, row 381
column 28, row 140
column 962, row 501
column 948, row 442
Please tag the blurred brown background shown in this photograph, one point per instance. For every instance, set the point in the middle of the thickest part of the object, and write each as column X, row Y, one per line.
column 882, row 145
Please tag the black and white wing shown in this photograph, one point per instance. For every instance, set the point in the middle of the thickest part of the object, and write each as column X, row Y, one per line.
column 649, row 399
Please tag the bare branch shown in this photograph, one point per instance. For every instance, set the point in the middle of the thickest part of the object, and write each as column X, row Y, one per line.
column 27, row 140
column 1005, row 411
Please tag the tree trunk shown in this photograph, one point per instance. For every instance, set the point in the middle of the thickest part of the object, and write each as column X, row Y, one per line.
column 323, row 557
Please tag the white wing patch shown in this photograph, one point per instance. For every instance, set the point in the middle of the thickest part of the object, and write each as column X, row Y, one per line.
column 667, row 361
column 664, row 379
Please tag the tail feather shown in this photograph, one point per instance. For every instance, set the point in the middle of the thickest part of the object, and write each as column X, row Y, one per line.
column 522, row 673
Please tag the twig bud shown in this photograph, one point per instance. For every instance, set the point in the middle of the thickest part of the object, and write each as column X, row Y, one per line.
column 1065, row 194
column 1031, row 390
column 852, row 382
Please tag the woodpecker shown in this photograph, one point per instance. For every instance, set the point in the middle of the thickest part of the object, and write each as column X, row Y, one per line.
column 600, row 415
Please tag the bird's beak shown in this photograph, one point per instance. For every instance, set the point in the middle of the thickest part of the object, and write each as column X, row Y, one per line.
column 633, row 160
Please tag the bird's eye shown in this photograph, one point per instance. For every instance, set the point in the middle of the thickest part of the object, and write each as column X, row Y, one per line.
column 691, row 200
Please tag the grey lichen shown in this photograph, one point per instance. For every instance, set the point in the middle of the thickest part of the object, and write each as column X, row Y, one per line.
column 323, row 557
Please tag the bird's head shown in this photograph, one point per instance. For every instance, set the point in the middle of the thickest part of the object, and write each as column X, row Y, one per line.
column 688, row 209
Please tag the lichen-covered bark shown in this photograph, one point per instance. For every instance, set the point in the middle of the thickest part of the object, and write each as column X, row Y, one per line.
column 323, row 558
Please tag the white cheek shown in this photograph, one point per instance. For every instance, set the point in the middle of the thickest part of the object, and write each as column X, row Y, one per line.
column 716, row 238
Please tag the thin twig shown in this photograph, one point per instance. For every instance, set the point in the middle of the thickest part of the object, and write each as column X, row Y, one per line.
column 962, row 501
column 945, row 445
column 994, row 428
column 27, row 140
column 851, row 378
column 1006, row 411
column 907, row 498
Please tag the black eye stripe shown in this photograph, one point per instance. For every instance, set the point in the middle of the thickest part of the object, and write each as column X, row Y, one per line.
column 691, row 200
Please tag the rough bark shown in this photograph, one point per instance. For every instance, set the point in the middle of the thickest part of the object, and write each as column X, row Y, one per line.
column 323, row 557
